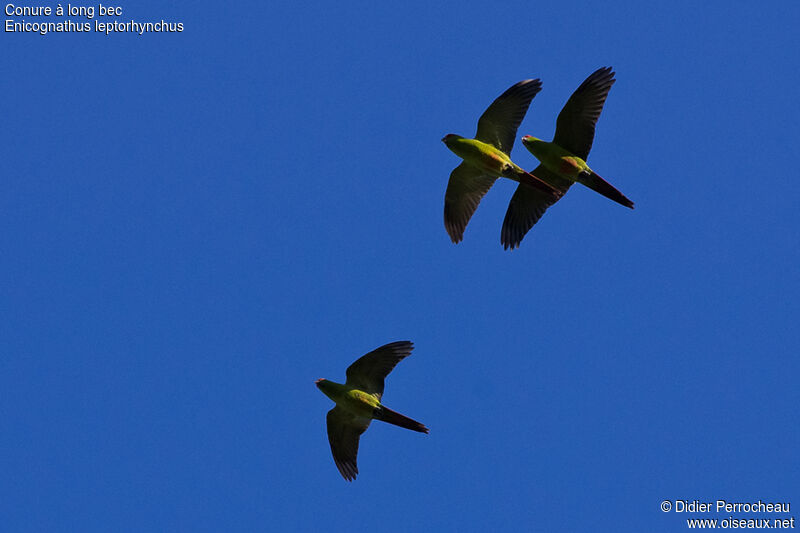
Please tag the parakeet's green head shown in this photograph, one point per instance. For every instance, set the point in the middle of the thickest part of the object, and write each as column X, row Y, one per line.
column 532, row 144
column 329, row 388
column 450, row 138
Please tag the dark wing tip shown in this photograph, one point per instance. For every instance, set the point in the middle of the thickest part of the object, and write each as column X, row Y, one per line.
column 509, row 244
column 400, row 349
column 527, row 89
column 533, row 84
column 508, row 234
column 347, row 469
column 511, row 234
column 525, row 86
column 454, row 230
column 401, row 346
column 600, row 78
column 604, row 71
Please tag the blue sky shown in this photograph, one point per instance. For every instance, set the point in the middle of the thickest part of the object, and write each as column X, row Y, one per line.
column 196, row 226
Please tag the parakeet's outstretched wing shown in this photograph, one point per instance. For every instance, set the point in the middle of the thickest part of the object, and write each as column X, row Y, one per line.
column 527, row 206
column 576, row 122
column 369, row 371
column 465, row 189
column 344, row 430
column 498, row 124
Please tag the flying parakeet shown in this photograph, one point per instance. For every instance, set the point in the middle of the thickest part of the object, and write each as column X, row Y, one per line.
column 486, row 158
column 563, row 160
column 358, row 402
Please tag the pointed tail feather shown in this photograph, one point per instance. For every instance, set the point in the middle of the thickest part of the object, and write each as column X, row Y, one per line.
column 393, row 417
column 598, row 184
column 532, row 181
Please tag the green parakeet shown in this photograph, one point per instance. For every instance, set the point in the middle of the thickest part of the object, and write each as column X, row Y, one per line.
column 486, row 157
column 358, row 402
column 563, row 160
